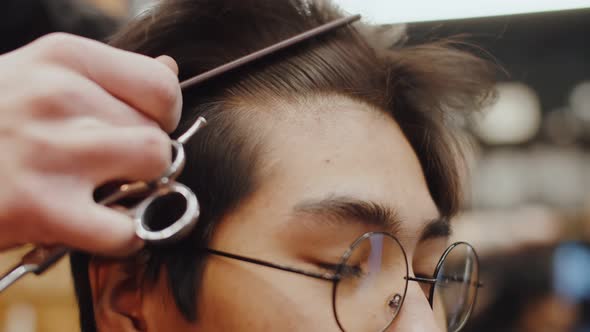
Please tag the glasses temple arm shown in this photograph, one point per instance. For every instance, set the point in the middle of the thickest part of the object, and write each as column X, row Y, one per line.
column 323, row 276
column 432, row 281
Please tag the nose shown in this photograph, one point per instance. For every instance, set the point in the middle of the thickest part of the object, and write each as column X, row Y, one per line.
column 416, row 315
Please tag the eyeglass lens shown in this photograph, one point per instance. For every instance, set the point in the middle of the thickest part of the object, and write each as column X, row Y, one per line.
column 372, row 285
column 456, row 287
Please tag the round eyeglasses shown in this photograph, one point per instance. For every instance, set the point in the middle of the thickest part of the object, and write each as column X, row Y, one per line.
column 371, row 281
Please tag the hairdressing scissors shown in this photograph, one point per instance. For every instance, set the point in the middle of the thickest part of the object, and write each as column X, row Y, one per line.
column 163, row 188
column 147, row 196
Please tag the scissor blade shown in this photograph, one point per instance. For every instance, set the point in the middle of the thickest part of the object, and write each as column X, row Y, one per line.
column 14, row 275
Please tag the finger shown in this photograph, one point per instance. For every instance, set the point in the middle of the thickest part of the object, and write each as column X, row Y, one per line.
column 132, row 153
column 62, row 94
column 140, row 81
column 99, row 229
column 8, row 244
column 169, row 62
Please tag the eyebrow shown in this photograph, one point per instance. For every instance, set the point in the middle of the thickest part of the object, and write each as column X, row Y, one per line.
column 436, row 228
column 348, row 209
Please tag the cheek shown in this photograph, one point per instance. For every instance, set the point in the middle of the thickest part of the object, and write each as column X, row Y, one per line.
column 439, row 312
column 239, row 297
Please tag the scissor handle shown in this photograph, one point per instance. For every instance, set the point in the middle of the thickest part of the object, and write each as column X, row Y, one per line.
column 126, row 190
column 42, row 258
column 177, row 163
column 147, row 221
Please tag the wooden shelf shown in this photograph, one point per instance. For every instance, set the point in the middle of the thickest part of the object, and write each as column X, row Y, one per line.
column 113, row 7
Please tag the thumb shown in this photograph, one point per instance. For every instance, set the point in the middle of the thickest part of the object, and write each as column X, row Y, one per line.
column 168, row 62
column 173, row 66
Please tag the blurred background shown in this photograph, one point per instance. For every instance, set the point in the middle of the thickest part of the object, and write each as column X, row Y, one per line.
column 528, row 202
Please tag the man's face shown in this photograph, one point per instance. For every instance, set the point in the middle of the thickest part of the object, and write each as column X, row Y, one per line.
column 343, row 150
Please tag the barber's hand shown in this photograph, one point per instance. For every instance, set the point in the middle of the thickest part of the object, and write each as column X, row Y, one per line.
column 74, row 114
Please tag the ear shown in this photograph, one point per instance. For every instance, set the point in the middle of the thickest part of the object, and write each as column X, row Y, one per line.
column 117, row 292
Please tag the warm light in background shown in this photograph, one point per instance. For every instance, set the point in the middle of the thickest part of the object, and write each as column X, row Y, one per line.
column 139, row 6
column 580, row 101
column 388, row 11
column 21, row 318
column 112, row 7
column 514, row 118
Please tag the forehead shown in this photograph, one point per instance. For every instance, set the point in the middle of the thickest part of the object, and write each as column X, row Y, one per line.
column 334, row 146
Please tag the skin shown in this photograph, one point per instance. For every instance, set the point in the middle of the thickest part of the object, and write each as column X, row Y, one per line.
column 341, row 149
column 66, row 105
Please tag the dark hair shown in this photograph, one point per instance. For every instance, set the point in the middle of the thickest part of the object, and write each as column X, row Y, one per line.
column 416, row 85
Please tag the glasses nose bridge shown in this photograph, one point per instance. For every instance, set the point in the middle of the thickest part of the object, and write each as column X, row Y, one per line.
column 416, row 313
column 422, row 280
column 425, row 281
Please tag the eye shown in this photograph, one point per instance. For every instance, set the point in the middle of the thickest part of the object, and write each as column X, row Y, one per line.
column 345, row 271
column 452, row 280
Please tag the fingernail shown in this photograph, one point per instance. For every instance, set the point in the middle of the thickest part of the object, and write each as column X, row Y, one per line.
column 169, row 62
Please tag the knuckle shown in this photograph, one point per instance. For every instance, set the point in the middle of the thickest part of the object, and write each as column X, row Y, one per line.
column 56, row 45
column 37, row 145
column 43, row 148
column 166, row 93
column 156, row 149
column 58, row 98
column 24, row 203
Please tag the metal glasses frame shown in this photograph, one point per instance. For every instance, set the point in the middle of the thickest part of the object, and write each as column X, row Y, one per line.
column 433, row 281
column 336, row 277
column 342, row 264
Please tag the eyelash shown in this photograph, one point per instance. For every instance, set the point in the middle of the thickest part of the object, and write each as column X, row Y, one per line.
column 345, row 271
